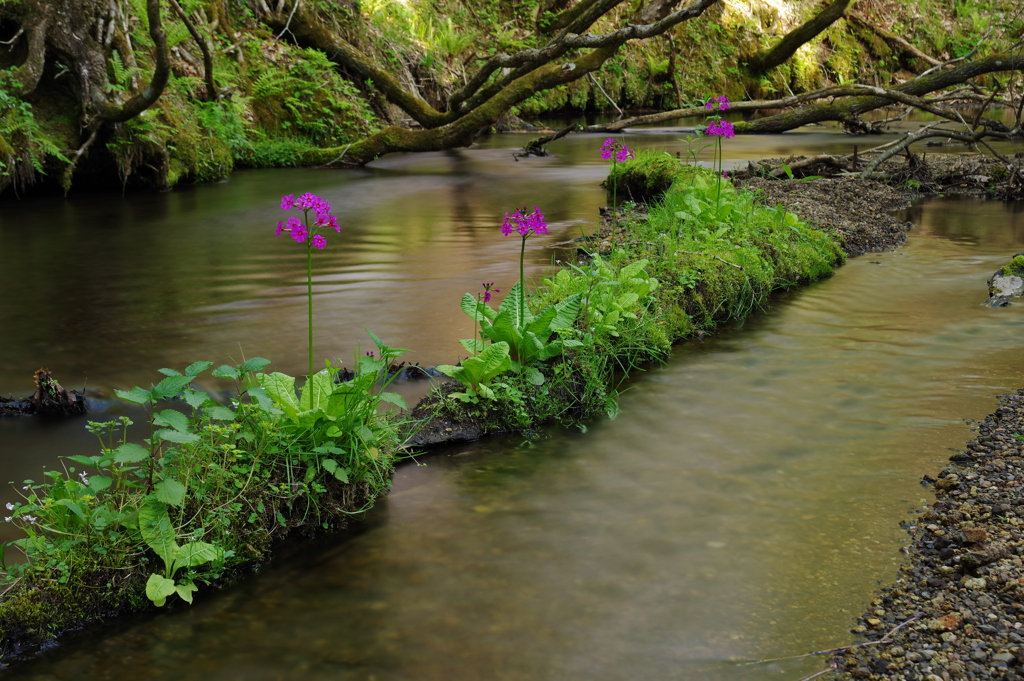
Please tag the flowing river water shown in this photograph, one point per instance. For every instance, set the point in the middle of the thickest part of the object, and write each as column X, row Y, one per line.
column 744, row 505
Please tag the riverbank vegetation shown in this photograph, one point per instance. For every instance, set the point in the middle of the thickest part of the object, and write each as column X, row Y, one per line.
column 150, row 94
column 207, row 487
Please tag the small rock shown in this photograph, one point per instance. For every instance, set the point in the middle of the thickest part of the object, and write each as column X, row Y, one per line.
column 976, row 583
column 975, row 535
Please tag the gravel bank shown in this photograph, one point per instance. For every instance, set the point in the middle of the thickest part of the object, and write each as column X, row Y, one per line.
column 960, row 596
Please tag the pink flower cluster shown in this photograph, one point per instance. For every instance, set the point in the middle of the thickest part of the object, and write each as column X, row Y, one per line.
column 721, row 128
column 619, row 151
column 524, row 223
column 721, row 102
column 299, row 229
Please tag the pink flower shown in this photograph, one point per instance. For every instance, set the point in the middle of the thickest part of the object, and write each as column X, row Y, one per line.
column 319, row 241
column 287, row 202
column 615, row 150
column 623, row 154
column 710, row 104
column 524, row 224
column 723, row 102
column 720, row 128
column 280, row 229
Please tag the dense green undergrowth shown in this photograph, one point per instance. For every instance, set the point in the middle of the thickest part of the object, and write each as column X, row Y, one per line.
column 203, row 492
column 206, row 488
column 702, row 253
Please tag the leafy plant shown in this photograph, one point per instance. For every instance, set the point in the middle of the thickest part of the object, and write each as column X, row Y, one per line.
column 158, row 532
column 477, row 371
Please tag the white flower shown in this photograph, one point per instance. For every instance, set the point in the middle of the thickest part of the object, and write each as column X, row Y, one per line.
column 10, row 506
column 7, row 519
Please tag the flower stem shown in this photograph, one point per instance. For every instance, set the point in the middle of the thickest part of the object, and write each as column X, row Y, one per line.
column 522, row 292
column 309, row 296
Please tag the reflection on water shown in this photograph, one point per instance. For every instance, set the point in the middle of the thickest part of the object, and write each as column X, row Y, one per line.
column 743, row 506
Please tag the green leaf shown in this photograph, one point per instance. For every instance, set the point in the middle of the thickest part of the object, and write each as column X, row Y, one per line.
column 169, row 491
column 170, row 386
column 281, row 388
column 255, row 364
column 186, row 590
column 477, row 310
column 503, row 329
column 196, row 398
column 219, row 413
column 264, row 400
column 198, row 552
column 171, row 418
column 541, row 324
column 196, row 368
column 332, row 467
column 82, row 459
column 534, row 376
column 176, row 436
column 511, row 305
column 393, row 398
column 155, row 527
column 73, row 507
column 98, row 483
column 567, row 311
column 317, row 391
column 169, row 372
column 136, row 395
column 226, row 371
column 130, row 452
column 472, row 345
column 159, row 588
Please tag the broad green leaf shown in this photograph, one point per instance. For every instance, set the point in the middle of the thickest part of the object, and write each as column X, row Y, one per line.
column 170, row 386
column 567, row 311
column 365, row 433
column 73, row 507
column 631, row 270
column 136, row 395
column 155, row 527
column 485, row 392
column 226, row 371
column 255, row 364
column 130, row 452
column 534, row 376
column 196, row 398
column 172, row 419
column 281, row 388
column 264, row 400
column 541, row 324
column 169, row 372
column 159, row 588
column 512, row 306
column 472, row 345
column 169, row 491
column 186, row 590
column 504, row 329
column 98, row 483
column 219, row 413
column 477, row 309
column 393, row 398
column 198, row 552
column 176, row 436
column 196, row 368
column 317, row 391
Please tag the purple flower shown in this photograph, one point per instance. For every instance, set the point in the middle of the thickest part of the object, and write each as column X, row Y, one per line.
column 300, row 229
column 615, row 150
column 30, row 518
column 723, row 102
column 710, row 104
column 720, row 128
column 524, row 224
column 488, row 287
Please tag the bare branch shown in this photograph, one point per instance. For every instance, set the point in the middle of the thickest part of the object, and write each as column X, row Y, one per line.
column 211, row 85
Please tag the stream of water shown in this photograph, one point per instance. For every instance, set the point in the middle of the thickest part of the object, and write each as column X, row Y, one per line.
column 744, row 504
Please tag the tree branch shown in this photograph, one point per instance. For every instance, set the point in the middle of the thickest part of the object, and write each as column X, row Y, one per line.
column 211, row 85
column 895, row 41
column 793, row 40
column 148, row 97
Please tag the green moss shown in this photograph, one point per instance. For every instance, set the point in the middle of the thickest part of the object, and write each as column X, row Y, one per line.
column 1015, row 267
